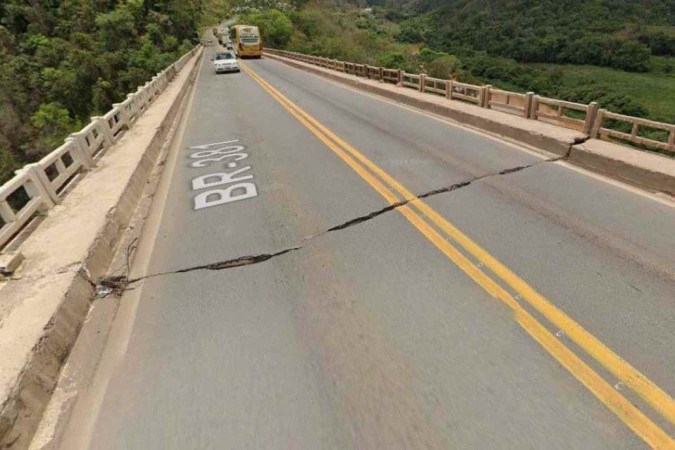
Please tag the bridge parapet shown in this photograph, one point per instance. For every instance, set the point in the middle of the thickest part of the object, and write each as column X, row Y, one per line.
column 586, row 118
column 39, row 186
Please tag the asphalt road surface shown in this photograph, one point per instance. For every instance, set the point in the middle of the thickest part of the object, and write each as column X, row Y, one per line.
column 529, row 309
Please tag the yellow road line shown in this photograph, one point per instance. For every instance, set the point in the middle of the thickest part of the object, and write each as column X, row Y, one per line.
column 631, row 377
column 640, row 384
column 628, row 413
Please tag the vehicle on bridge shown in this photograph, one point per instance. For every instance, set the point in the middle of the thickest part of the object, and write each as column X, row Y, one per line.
column 246, row 40
column 225, row 62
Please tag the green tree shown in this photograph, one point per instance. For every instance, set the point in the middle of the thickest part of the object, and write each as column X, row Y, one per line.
column 52, row 124
column 445, row 66
column 275, row 26
column 7, row 164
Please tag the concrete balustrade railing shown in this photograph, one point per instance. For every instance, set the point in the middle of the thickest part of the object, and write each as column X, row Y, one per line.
column 435, row 86
column 411, row 80
column 391, row 75
column 39, row 186
column 14, row 218
column 510, row 102
column 602, row 132
column 470, row 93
column 588, row 119
column 61, row 165
column 374, row 73
column 554, row 111
column 361, row 70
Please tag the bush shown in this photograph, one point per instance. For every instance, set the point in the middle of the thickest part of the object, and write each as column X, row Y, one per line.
column 392, row 60
column 607, row 51
column 659, row 42
column 52, row 123
column 7, row 165
column 445, row 66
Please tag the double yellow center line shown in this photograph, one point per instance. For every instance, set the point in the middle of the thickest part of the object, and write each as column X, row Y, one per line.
column 422, row 216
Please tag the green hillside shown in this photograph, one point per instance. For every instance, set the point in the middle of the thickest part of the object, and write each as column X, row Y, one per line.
column 614, row 33
column 64, row 61
column 616, row 52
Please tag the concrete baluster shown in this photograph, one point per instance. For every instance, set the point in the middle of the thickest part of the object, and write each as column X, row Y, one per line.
column 134, row 108
column 81, row 150
column 484, row 96
column 529, row 98
column 6, row 213
column 423, row 82
column 598, row 123
column 123, row 115
column 35, row 187
column 534, row 109
column 42, row 186
column 591, row 116
column 104, row 128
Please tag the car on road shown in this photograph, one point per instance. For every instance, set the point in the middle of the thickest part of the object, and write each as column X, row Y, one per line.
column 225, row 62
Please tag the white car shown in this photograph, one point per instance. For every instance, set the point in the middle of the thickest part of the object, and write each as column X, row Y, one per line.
column 225, row 62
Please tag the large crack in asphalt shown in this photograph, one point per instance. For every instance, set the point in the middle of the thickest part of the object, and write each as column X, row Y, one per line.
column 118, row 284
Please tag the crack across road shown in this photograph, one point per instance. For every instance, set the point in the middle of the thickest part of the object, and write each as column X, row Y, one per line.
column 118, row 284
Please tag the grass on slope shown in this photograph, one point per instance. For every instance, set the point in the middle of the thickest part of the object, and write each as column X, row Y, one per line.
column 655, row 91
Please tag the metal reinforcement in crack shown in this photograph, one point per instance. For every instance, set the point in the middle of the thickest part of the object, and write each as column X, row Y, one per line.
column 117, row 285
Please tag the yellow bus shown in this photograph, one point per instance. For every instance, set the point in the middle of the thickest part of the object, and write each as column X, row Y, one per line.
column 246, row 40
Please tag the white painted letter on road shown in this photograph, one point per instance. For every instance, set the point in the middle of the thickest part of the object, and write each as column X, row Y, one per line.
column 215, row 197
column 216, row 179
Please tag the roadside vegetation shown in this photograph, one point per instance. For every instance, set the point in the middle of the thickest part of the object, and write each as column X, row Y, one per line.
column 620, row 53
column 64, row 61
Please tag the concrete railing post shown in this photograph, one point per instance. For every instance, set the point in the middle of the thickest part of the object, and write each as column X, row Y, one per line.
column 484, row 94
column 448, row 88
column 591, row 115
column 108, row 137
column 164, row 77
column 534, row 109
column 7, row 213
column 451, row 89
column 124, row 115
column 36, row 187
column 81, row 152
column 423, row 82
column 133, row 104
column 42, row 186
column 529, row 97
column 597, row 124
column 381, row 74
column 399, row 77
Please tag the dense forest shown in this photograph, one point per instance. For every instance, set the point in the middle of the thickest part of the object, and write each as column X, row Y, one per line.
column 615, row 33
column 64, row 61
